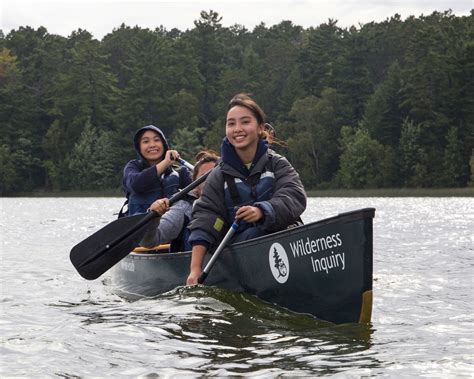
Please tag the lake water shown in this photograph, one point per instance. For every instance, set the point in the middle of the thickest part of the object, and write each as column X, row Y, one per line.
column 54, row 323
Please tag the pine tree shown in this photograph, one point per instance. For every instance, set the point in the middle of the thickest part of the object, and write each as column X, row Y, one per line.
column 320, row 53
column 413, row 157
column 92, row 161
column 9, row 179
column 383, row 115
column 209, row 52
column 361, row 160
column 312, row 134
column 455, row 169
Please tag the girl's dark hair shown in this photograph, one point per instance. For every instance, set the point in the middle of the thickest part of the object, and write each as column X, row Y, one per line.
column 204, row 156
column 244, row 100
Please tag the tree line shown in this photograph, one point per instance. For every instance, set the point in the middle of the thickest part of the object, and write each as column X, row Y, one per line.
column 384, row 104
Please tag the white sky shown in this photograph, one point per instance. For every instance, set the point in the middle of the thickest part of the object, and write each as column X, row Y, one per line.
column 100, row 17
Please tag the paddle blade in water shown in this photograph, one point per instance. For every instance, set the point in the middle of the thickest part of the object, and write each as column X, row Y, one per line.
column 102, row 250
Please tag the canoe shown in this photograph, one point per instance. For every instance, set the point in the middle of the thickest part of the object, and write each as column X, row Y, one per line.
column 323, row 268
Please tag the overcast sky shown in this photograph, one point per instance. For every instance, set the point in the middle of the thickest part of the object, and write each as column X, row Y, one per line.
column 100, row 17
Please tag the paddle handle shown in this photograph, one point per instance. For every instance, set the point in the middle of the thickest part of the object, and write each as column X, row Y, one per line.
column 222, row 245
column 179, row 195
column 186, row 164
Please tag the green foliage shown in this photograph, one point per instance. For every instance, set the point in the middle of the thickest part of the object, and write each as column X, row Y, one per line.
column 208, row 51
column 471, row 164
column 362, row 160
column 410, row 151
column 185, row 141
column 27, row 164
column 9, row 179
column 54, row 171
column 70, row 106
column 10, row 86
column 313, row 132
column 92, row 161
column 322, row 50
column 417, row 160
column 383, row 114
column 215, row 134
column 455, row 168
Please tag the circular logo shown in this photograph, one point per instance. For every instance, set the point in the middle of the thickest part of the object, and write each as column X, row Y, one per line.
column 279, row 263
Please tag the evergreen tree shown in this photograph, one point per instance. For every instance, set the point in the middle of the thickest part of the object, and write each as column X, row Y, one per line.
column 351, row 74
column 186, row 142
column 209, row 52
column 361, row 160
column 118, row 48
column 85, row 89
column 40, row 59
column 413, row 157
column 58, row 175
column 312, row 136
column 92, row 161
column 17, row 136
column 279, row 55
column 383, row 115
column 455, row 169
column 84, row 92
column 214, row 136
column 9, row 180
column 10, row 106
column 319, row 55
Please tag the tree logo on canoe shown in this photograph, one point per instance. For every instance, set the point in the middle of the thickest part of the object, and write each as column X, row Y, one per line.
column 279, row 263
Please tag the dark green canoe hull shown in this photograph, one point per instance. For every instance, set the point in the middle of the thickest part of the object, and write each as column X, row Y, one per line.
column 323, row 268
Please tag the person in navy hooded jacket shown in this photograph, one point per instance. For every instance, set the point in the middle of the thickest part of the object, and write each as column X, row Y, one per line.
column 152, row 176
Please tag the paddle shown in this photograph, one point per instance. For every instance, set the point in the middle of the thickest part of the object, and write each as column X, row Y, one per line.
column 222, row 245
column 186, row 164
column 106, row 247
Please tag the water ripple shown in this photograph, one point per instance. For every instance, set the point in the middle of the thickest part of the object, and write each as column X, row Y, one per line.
column 56, row 324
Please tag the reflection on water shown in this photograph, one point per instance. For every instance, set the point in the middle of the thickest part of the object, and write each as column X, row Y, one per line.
column 54, row 323
column 228, row 333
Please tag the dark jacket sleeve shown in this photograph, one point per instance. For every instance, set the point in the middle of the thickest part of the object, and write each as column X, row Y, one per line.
column 289, row 198
column 208, row 222
column 137, row 180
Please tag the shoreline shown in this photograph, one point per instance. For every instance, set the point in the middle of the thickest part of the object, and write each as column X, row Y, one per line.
column 381, row 192
column 394, row 192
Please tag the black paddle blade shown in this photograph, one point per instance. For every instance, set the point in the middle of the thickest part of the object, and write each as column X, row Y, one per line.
column 102, row 250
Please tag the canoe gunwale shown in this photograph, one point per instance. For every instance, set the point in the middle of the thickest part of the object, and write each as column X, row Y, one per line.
column 350, row 216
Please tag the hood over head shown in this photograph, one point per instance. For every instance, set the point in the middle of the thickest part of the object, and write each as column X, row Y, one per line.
column 139, row 133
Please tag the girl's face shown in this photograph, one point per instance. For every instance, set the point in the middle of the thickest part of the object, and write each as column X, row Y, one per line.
column 205, row 167
column 151, row 147
column 242, row 128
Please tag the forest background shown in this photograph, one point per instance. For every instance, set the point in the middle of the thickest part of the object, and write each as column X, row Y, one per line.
column 379, row 105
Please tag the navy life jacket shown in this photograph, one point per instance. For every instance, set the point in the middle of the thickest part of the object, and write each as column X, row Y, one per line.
column 171, row 181
column 140, row 202
column 239, row 192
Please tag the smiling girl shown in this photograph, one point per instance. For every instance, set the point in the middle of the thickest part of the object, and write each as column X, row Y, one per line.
column 252, row 184
column 151, row 176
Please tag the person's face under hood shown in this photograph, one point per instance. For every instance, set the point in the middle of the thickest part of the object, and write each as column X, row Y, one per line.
column 151, row 147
